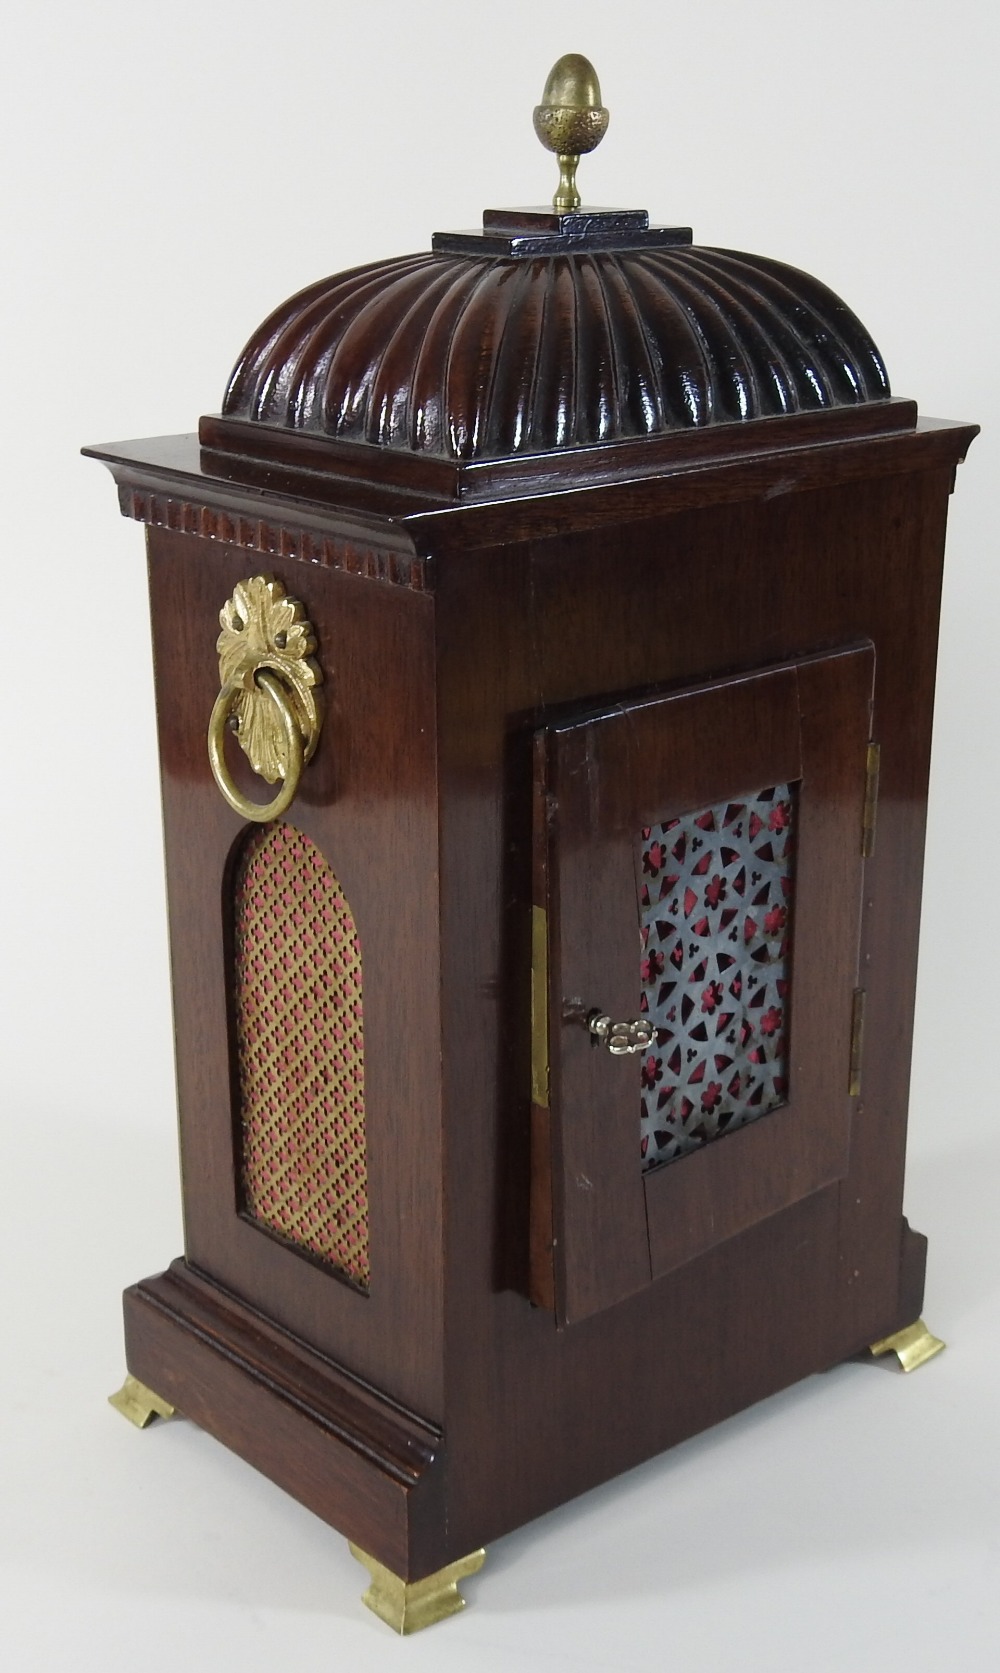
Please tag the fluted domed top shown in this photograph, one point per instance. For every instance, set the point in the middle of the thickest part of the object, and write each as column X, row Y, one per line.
column 463, row 357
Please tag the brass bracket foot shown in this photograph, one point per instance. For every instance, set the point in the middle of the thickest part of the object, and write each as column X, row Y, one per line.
column 138, row 1403
column 913, row 1346
column 410, row 1605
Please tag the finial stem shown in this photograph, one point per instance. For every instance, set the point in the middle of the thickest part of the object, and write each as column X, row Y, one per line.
column 567, row 196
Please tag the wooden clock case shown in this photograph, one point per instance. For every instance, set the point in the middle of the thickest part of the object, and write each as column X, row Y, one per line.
column 594, row 527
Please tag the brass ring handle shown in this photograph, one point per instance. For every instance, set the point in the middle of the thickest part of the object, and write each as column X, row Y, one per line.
column 258, row 811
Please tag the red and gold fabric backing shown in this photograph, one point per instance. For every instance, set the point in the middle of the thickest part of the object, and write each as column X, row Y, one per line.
column 300, row 1045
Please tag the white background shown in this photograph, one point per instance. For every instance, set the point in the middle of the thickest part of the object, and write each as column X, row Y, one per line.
column 173, row 172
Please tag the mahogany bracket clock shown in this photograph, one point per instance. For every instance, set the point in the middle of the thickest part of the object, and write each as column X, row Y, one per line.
column 545, row 643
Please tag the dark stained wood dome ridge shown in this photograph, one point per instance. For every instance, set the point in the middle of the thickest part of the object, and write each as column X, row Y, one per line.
column 466, row 358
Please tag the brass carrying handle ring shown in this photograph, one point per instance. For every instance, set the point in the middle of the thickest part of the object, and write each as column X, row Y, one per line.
column 258, row 811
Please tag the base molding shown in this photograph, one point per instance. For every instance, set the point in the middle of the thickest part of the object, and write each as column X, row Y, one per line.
column 380, row 1474
column 351, row 1454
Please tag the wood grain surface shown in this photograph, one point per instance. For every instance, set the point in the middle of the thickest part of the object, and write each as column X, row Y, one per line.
column 421, row 800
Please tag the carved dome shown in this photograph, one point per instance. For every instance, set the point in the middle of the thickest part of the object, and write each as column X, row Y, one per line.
column 462, row 358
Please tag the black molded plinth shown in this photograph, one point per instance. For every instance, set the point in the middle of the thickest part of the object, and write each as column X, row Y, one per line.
column 546, row 232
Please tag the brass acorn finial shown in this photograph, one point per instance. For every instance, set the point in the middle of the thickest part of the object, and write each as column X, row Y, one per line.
column 570, row 121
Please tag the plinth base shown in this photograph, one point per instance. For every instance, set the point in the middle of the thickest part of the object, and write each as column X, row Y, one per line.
column 418, row 1505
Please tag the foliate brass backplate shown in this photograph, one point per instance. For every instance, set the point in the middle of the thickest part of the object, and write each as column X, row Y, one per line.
column 300, row 1044
column 262, row 628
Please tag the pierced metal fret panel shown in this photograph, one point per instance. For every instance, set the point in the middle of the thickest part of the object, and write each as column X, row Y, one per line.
column 715, row 890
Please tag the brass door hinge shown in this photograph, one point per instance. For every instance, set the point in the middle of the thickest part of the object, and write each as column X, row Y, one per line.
column 857, row 1042
column 871, row 802
column 539, row 1007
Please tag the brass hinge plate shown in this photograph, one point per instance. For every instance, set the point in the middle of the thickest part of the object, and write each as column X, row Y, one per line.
column 871, row 802
column 857, row 1042
column 539, row 1007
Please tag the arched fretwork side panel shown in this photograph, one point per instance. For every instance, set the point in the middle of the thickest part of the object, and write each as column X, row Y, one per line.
column 300, row 1051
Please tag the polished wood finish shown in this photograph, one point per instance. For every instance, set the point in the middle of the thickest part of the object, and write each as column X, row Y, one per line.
column 773, row 1164
column 609, row 775
column 228, row 441
column 342, row 1448
column 694, row 593
column 171, row 482
column 368, row 802
column 466, row 357
column 445, row 1409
